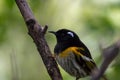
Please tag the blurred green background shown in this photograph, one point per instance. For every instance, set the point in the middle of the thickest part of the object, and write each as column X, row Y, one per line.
column 95, row 21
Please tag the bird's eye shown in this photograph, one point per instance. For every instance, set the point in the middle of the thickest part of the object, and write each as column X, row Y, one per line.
column 71, row 34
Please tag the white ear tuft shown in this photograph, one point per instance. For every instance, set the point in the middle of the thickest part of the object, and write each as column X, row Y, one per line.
column 70, row 33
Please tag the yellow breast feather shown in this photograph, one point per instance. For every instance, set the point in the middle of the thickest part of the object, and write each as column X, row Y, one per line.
column 67, row 51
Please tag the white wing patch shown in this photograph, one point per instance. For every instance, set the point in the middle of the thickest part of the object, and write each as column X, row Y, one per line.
column 86, row 58
column 70, row 33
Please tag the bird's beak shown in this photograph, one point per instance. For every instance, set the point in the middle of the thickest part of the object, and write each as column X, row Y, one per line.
column 53, row 32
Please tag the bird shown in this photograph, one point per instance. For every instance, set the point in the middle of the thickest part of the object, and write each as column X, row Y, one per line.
column 72, row 54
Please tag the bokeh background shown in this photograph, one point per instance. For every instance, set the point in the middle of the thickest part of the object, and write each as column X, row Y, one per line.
column 95, row 21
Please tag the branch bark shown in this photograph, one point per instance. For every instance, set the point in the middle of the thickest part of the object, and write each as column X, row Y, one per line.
column 109, row 54
column 37, row 33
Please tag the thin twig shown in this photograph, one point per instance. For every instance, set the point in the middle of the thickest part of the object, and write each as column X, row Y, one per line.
column 109, row 54
column 14, row 66
column 45, row 29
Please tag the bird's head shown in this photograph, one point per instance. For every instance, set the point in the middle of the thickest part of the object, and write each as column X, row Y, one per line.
column 66, row 36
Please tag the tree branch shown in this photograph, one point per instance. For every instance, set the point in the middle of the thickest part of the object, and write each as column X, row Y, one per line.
column 37, row 33
column 109, row 54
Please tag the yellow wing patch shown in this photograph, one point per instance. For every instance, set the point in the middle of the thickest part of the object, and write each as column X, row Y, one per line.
column 75, row 50
column 66, row 52
column 89, row 61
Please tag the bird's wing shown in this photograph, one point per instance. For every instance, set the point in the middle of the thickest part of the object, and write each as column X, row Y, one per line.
column 84, row 60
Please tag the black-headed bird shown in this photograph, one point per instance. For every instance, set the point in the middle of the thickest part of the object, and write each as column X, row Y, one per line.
column 72, row 55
